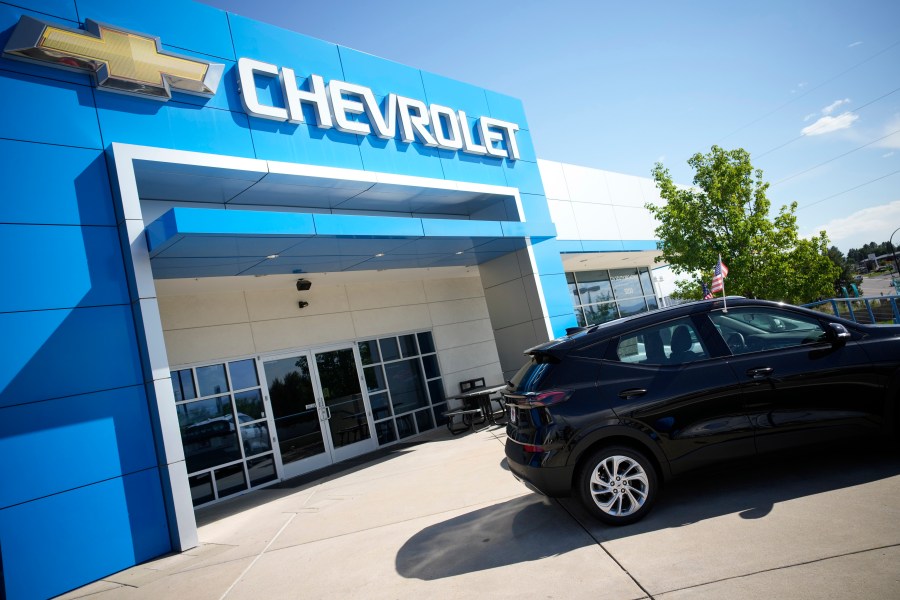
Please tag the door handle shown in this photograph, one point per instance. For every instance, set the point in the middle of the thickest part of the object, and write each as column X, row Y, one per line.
column 632, row 393
column 760, row 372
column 327, row 413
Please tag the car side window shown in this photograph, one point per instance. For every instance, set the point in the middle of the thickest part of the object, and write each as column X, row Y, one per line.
column 673, row 343
column 756, row 329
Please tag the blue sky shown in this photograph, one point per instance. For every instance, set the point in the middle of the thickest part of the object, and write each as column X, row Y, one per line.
column 810, row 88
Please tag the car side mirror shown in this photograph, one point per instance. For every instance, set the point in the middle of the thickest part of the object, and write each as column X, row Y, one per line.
column 837, row 334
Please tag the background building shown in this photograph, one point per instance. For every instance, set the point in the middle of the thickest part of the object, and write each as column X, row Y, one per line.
column 215, row 291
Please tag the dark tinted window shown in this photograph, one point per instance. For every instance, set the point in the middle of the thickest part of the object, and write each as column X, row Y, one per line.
column 672, row 343
column 529, row 377
column 755, row 329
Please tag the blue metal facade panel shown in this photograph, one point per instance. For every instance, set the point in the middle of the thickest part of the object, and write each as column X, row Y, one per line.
column 395, row 156
column 467, row 167
column 525, row 176
column 59, row 542
column 455, row 94
column 75, row 191
column 172, row 124
column 507, row 108
column 48, row 111
column 61, row 267
column 382, row 76
column 57, row 353
column 305, row 144
column 284, row 48
column 199, row 27
column 82, row 440
column 59, row 8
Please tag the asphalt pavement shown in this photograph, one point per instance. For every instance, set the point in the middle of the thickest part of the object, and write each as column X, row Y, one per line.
column 445, row 519
column 878, row 285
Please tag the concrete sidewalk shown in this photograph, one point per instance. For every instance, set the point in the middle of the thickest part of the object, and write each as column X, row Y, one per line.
column 445, row 519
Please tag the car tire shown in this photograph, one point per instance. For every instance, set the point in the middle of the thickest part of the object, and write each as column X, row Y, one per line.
column 617, row 485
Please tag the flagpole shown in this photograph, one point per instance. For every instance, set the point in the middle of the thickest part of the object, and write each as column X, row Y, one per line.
column 724, row 298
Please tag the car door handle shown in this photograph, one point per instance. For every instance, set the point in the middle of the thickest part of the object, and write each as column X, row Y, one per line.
column 760, row 373
column 632, row 393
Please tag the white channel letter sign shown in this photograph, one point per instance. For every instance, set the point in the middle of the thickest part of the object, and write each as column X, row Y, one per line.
column 335, row 102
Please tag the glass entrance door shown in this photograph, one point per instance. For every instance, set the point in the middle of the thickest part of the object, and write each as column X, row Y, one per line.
column 347, row 412
column 320, row 412
column 297, row 415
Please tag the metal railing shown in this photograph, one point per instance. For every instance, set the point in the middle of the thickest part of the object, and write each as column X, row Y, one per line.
column 876, row 310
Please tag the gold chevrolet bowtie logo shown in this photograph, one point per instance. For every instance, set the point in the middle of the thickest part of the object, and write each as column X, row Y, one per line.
column 118, row 59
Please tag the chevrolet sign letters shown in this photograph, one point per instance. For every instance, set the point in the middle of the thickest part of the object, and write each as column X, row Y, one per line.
column 333, row 104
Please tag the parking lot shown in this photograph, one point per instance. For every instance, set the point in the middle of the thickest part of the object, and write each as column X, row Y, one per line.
column 445, row 519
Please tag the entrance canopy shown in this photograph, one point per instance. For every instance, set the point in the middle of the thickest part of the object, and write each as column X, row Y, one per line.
column 191, row 242
column 208, row 216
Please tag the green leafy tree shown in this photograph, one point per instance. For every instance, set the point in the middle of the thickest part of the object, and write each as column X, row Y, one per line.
column 726, row 212
column 845, row 277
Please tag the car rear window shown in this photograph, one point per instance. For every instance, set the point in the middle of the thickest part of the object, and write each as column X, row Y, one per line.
column 674, row 342
column 528, row 378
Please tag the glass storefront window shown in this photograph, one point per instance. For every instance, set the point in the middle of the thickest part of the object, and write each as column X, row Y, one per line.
column 626, row 284
column 208, row 433
column 262, row 470
column 374, row 378
column 212, row 380
column 368, row 352
column 243, row 374
column 405, row 381
column 600, row 313
column 601, row 296
column 594, row 286
column 183, row 385
column 431, row 366
column 227, row 433
column 220, row 431
column 647, row 284
column 250, row 405
column 380, row 406
column 426, row 342
column 408, row 345
column 632, row 307
column 389, row 348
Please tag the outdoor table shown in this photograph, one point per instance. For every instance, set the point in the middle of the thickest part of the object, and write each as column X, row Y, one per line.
column 475, row 400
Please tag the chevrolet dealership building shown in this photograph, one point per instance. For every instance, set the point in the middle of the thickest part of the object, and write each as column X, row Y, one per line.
column 234, row 254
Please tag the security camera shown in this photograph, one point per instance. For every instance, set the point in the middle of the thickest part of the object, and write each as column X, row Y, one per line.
column 303, row 285
column 303, row 304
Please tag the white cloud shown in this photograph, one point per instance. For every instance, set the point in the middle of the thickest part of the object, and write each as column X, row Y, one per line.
column 873, row 224
column 809, row 116
column 854, row 44
column 834, row 105
column 888, row 155
column 829, row 124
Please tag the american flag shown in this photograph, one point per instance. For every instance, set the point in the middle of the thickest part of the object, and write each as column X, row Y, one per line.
column 707, row 295
column 720, row 272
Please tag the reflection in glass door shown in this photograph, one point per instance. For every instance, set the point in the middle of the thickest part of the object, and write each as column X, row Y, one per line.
column 346, row 409
column 297, row 414
column 320, row 411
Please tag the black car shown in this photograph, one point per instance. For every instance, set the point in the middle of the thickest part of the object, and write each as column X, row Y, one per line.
column 611, row 411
